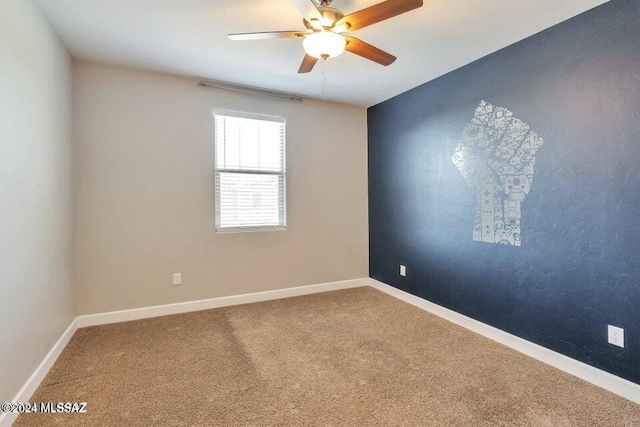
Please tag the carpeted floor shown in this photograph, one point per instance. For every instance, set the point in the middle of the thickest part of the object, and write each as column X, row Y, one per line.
column 348, row 358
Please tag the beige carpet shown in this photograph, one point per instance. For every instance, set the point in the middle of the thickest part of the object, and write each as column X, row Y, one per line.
column 348, row 358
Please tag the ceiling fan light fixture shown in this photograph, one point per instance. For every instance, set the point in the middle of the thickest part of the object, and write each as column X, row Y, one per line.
column 324, row 44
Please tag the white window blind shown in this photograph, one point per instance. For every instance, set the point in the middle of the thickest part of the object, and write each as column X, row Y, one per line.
column 250, row 172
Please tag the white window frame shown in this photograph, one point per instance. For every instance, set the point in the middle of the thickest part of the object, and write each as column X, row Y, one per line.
column 283, row 174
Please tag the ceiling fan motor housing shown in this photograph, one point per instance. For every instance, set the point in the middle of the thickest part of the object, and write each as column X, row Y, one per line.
column 331, row 14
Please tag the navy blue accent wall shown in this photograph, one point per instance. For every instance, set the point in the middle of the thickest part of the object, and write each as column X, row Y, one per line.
column 578, row 86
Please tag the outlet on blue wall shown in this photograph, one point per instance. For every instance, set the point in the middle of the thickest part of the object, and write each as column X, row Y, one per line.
column 577, row 269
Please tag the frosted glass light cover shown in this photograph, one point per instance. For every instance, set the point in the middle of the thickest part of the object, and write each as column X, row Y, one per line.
column 324, row 44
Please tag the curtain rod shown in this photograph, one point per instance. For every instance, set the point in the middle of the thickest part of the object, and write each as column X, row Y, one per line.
column 250, row 91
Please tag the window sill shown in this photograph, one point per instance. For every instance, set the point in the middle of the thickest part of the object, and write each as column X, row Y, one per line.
column 232, row 230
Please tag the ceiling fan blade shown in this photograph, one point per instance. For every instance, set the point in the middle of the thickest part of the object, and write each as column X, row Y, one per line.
column 307, row 9
column 379, row 12
column 307, row 64
column 368, row 51
column 267, row 35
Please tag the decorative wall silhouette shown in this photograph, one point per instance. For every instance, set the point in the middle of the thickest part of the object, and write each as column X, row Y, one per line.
column 496, row 156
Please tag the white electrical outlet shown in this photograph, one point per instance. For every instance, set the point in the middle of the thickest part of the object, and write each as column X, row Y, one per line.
column 177, row 278
column 403, row 270
column 616, row 336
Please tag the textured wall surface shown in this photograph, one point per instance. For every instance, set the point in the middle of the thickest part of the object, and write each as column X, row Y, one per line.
column 577, row 269
column 36, row 192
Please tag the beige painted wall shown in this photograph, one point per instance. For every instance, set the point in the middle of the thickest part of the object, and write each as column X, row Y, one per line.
column 145, row 195
column 36, row 192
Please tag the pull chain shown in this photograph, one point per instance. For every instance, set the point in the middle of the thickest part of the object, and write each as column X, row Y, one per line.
column 324, row 80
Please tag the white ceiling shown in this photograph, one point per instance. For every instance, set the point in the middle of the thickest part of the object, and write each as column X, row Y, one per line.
column 188, row 37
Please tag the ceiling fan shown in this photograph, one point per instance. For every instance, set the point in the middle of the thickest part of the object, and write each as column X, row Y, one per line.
column 326, row 26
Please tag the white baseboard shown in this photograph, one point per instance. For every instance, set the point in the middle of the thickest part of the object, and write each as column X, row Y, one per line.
column 588, row 373
column 27, row 390
column 206, row 304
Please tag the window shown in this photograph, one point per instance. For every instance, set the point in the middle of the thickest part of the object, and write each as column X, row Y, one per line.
column 250, row 172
